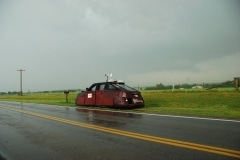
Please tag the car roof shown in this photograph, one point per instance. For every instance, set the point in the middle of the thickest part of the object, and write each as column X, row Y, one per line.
column 115, row 82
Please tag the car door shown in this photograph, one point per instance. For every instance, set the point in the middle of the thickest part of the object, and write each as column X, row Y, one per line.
column 108, row 95
column 99, row 94
column 90, row 96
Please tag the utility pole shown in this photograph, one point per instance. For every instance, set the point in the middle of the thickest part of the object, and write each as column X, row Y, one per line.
column 21, row 70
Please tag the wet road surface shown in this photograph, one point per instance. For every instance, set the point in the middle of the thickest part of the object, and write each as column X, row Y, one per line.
column 35, row 131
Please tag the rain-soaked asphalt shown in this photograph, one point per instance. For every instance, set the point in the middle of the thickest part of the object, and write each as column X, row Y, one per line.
column 71, row 133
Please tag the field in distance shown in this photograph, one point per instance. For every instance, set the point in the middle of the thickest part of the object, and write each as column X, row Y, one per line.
column 214, row 104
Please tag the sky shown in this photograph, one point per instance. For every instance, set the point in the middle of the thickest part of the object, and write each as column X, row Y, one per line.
column 70, row 44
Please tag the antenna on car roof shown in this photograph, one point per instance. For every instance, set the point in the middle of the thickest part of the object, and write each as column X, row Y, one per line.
column 108, row 75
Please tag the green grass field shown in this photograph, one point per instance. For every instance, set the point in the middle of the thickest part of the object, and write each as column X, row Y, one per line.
column 215, row 104
column 202, row 104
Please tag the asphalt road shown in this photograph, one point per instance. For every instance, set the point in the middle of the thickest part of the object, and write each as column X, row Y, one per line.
column 34, row 131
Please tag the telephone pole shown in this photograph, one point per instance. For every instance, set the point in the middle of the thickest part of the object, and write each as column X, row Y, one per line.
column 21, row 70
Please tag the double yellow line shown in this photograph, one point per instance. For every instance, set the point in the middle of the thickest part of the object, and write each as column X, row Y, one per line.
column 194, row 146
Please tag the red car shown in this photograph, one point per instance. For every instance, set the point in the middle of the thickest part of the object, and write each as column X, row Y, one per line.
column 115, row 94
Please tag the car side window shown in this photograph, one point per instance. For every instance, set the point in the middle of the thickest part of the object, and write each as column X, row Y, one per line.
column 111, row 87
column 102, row 87
column 93, row 88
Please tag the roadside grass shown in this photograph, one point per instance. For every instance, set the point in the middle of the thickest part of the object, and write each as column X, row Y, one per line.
column 201, row 104
column 42, row 98
column 214, row 103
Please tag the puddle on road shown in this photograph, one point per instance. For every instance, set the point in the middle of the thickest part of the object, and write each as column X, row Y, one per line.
column 109, row 113
column 107, row 117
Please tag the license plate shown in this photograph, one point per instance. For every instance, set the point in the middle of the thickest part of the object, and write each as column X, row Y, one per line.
column 137, row 101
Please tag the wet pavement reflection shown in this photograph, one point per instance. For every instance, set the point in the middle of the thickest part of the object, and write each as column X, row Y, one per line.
column 109, row 113
column 107, row 117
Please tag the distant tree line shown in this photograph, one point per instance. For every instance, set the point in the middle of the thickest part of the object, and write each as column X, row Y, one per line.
column 58, row 91
column 54, row 91
column 9, row 93
column 161, row 86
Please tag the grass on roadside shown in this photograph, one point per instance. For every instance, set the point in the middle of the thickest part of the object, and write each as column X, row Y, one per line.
column 202, row 104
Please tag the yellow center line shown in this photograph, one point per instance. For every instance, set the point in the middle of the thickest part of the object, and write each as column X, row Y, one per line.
column 183, row 144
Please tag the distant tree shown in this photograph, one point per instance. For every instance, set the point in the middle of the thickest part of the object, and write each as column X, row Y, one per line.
column 160, row 86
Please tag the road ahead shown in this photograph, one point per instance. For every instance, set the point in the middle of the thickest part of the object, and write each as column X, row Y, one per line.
column 34, row 131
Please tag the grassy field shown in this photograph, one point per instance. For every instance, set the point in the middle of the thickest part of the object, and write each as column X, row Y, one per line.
column 201, row 104
column 215, row 104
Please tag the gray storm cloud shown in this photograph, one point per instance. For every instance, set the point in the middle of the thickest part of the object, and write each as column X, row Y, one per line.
column 70, row 44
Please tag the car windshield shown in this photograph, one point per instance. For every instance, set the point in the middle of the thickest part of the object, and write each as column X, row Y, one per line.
column 124, row 87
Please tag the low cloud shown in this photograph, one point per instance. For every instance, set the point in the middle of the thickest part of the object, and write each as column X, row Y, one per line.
column 214, row 70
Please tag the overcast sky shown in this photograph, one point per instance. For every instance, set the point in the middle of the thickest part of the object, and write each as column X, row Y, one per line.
column 70, row 44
